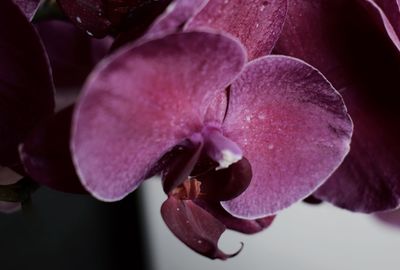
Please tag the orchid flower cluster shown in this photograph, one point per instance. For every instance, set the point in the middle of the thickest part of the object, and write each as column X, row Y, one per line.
column 242, row 107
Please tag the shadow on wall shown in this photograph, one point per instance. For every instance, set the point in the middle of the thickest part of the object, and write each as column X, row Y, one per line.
column 66, row 231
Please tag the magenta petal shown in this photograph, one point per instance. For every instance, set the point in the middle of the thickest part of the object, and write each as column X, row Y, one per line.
column 293, row 128
column 257, row 23
column 26, row 90
column 194, row 226
column 233, row 223
column 387, row 12
column 135, row 106
column 363, row 64
column 72, row 53
column 46, row 156
column 28, row 7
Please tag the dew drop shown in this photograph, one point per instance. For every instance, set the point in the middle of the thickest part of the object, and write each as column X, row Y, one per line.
column 177, row 209
column 89, row 33
column 78, row 19
column 199, row 241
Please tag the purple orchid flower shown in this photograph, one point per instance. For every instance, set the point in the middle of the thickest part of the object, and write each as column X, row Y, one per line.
column 28, row 7
column 99, row 18
column 233, row 141
column 342, row 40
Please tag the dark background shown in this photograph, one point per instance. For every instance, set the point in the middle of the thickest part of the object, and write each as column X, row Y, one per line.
column 63, row 231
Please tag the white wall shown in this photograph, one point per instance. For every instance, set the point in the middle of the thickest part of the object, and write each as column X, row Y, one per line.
column 302, row 237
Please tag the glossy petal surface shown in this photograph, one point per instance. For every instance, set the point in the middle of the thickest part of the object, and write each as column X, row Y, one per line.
column 134, row 108
column 29, row 7
column 257, row 23
column 292, row 127
column 89, row 16
column 363, row 64
column 194, row 226
column 26, row 90
column 46, row 156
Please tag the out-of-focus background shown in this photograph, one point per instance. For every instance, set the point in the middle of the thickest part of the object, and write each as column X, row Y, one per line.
column 64, row 231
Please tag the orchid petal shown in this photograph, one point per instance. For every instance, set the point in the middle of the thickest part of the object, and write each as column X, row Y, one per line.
column 180, row 167
column 9, row 207
column 72, row 54
column 178, row 13
column 387, row 12
column 46, row 156
column 390, row 217
column 28, row 7
column 134, row 108
column 195, row 227
column 362, row 63
column 88, row 16
column 26, row 90
column 293, row 128
column 233, row 223
column 256, row 23
column 170, row 21
column 226, row 184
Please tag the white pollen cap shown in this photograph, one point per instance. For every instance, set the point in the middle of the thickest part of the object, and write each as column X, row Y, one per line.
column 228, row 158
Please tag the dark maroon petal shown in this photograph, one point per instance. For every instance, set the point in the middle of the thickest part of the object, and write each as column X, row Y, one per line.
column 387, row 13
column 72, row 54
column 226, row 184
column 28, row 7
column 180, row 167
column 390, row 217
column 26, row 90
column 233, row 223
column 144, row 100
column 46, row 156
column 292, row 127
column 195, row 227
column 88, row 15
column 362, row 63
column 257, row 23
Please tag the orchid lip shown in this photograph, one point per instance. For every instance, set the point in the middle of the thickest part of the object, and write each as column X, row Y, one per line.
column 218, row 147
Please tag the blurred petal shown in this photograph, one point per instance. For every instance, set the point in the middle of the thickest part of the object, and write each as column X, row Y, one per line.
column 292, row 127
column 135, row 108
column 28, row 7
column 26, row 90
column 9, row 207
column 362, row 63
column 195, row 227
column 387, row 12
column 257, row 23
column 233, row 223
column 390, row 217
column 8, row 176
column 72, row 54
column 226, row 184
column 46, row 155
